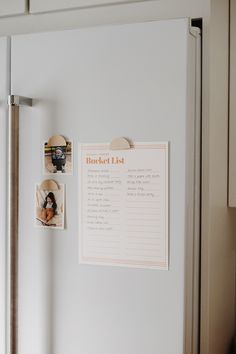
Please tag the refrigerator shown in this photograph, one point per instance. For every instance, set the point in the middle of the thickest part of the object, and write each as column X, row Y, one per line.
column 140, row 81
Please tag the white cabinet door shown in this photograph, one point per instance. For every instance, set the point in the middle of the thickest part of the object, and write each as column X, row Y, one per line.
column 54, row 5
column 12, row 7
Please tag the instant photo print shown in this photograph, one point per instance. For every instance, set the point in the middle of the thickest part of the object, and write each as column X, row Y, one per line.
column 58, row 156
column 49, row 205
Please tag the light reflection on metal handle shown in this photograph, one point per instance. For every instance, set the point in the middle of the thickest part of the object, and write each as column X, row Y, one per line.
column 13, row 212
column 13, row 192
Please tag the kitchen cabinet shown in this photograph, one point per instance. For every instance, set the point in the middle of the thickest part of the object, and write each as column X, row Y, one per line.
column 13, row 7
column 37, row 6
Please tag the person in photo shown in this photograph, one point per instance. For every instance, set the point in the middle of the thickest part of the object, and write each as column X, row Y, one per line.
column 49, row 208
column 59, row 160
column 49, row 205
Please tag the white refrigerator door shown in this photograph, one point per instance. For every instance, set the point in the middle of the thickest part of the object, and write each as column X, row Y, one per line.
column 4, row 91
column 92, row 85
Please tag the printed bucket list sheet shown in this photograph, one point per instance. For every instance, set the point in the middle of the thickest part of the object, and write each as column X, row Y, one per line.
column 123, row 205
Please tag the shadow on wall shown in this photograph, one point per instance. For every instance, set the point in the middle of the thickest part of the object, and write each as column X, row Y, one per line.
column 232, row 349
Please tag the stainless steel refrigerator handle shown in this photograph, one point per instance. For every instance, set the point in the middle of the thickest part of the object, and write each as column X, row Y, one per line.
column 13, row 192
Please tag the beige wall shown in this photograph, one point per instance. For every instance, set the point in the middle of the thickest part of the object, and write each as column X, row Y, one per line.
column 218, row 222
column 232, row 107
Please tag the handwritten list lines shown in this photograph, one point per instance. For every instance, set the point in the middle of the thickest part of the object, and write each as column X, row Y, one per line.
column 123, row 212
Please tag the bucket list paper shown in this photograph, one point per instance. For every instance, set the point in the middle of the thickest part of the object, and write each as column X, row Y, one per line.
column 123, row 205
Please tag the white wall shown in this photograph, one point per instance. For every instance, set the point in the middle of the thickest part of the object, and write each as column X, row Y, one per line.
column 120, row 13
column 218, row 223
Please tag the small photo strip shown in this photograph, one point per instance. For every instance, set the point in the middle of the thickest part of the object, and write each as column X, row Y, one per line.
column 58, row 159
column 50, row 207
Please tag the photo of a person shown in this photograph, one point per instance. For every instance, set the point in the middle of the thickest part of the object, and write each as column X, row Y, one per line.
column 58, row 158
column 49, row 206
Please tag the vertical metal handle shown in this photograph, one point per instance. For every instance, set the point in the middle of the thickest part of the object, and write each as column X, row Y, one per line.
column 13, row 192
column 13, row 222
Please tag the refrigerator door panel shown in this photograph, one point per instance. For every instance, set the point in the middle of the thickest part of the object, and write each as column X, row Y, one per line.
column 92, row 85
column 4, row 91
